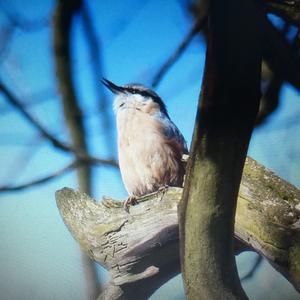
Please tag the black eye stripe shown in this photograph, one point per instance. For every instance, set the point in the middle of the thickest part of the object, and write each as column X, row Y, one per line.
column 147, row 94
column 132, row 90
column 142, row 93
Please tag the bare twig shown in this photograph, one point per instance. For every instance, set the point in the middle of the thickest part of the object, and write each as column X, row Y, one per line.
column 19, row 106
column 36, row 98
column 35, row 182
column 82, row 155
column 94, row 45
column 197, row 26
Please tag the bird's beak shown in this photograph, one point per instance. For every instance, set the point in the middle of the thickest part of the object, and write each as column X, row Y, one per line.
column 112, row 87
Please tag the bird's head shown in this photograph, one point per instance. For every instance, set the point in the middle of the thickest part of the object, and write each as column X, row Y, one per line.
column 136, row 96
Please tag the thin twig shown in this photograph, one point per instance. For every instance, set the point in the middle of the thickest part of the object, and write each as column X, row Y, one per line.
column 56, row 174
column 81, row 155
column 37, row 98
column 197, row 26
column 94, row 45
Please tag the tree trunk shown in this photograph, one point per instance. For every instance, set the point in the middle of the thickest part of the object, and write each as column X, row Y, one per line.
column 225, row 119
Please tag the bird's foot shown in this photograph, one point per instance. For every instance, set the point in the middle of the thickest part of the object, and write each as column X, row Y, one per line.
column 163, row 190
column 131, row 200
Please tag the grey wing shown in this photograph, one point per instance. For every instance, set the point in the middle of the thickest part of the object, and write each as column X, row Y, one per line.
column 173, row 133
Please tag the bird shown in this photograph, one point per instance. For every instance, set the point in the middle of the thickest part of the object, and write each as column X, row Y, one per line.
column 150, row 146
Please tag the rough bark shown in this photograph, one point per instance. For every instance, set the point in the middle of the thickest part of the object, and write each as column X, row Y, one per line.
column 140, row 249
column 225, row 119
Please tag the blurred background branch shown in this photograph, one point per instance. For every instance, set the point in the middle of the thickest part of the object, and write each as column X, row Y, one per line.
column 62, row 25
column 289, row 10
column 78, row 149
column 199, row 23
column 57, row 123
column 94, row 46
column 41, row 180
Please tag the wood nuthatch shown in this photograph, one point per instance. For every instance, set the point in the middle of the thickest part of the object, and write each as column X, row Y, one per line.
column 150, row 146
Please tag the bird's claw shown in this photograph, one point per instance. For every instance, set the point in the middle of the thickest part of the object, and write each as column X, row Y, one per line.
column 131, row 200
column 163, row 189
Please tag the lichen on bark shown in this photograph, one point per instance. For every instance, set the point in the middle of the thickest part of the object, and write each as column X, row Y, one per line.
column 140, row 249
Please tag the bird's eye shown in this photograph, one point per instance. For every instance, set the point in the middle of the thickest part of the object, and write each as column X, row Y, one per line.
column 122, row 104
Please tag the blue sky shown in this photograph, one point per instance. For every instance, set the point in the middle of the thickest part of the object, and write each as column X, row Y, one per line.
column 38, row 256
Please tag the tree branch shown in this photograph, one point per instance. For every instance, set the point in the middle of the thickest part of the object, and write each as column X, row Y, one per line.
column 270, row 98
column 140, row 250
column 64, row 170
column 197, row 26
column 81, row 155
column 269, row 101
column 62, row 24
column 289, row 10
column 226, row 114
column 94, row 44
column 280, row 55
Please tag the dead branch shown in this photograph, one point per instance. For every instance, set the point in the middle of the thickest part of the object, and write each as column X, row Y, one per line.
column 140, row 250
